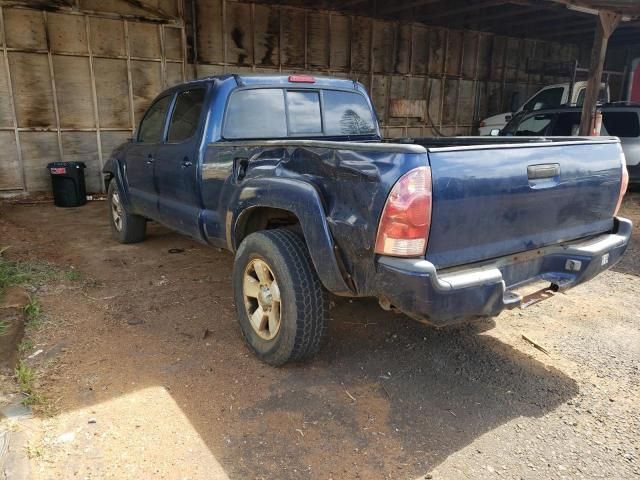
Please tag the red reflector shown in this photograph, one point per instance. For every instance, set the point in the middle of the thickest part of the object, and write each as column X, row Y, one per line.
column 301, row 79
column 58, row 170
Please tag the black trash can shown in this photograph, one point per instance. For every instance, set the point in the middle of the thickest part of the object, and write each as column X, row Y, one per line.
column 67, row 179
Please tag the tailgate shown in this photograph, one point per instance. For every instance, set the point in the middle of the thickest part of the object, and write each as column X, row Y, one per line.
column 491, row 201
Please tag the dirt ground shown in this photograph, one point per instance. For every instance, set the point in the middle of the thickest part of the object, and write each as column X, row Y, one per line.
column 145, row 375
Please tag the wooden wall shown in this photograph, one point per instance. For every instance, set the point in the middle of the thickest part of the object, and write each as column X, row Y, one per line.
column 75, row 81
column 462, row 76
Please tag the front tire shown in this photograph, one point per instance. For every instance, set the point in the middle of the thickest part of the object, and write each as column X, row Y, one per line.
column 125, row 227
column 282, row 307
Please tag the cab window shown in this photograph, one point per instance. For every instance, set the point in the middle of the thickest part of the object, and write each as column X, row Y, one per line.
column 534, row 125
column 152, row 125
column 186, row 115
column 549, row 98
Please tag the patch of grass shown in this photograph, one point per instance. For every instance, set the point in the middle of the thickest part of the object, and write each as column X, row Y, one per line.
column 33, row 311
column 21, row 272
column 25, row 346
column 26, row 377
column 72, row 275
column 4, row 326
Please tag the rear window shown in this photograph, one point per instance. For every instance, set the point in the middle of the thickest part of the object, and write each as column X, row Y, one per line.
column 621, row 124
column 256, row 114
column 263, row 113
column 347, row 113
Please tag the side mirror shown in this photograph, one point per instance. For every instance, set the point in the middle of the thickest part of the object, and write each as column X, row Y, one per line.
column 494, row 132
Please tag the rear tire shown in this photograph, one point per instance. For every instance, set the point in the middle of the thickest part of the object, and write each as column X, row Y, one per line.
column 282, row 307
column 125, row 227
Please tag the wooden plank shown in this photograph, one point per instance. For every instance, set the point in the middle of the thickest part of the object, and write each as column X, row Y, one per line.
column 107, row 36
column 266, row 27
column 454, row 52
column 144, row 40
column 146, row 85
column 112, row 92
column 67, row 33
column 361, row 44
column 10, row 169
column 402, row 48
column 173, row 74
column 293, row 37
column 340, row 42
column 32, row 89
column 6, row 112
column 110, row 140
column 420, row 50
column 437, row 39
column 470, row 54
column 25, row 29
column 173, row 49
column 318, row 39
column 397, row 90
column 238, row 33
column 382, row 48
column 209, row 31
column 83, row 147
column 379, row 95
column 38, row 149
column 73, row 86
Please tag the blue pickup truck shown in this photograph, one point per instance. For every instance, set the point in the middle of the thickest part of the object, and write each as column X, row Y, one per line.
column 291, row 174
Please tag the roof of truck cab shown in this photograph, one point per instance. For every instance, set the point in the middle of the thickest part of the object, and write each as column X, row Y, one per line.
column 269, row 80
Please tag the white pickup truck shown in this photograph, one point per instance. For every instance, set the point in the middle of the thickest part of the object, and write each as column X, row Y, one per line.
column 548, row 97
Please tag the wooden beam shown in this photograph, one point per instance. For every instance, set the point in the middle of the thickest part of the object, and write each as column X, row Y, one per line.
column 606, row 26
column 448, row 12
column 402, row 6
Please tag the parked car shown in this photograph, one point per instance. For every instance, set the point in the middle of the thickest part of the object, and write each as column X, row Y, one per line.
column 548, row 97
column 619, row 120
column 291, row 175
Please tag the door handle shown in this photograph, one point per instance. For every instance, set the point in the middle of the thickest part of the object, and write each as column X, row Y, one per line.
column 186, row 163
column 546, row 170
column 150, row 159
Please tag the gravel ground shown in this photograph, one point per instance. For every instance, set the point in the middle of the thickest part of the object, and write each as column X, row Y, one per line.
column 145, row 375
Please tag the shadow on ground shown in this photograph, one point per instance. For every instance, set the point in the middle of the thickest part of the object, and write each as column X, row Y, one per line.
column 385, row 398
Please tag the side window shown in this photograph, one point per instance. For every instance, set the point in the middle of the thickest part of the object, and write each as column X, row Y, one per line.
column 304, row 112
column 534, row 125
column 621, row 124
column 567, row 125
column 347, row 113
column 152, row 125
column 549, row 98
column 186, row 115
column 256, row 113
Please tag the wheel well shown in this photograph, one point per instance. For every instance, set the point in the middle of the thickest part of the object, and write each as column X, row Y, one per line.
column 107, row 176
column 264, row 218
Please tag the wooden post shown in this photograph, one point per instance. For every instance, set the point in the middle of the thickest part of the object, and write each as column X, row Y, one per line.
column 607, row 24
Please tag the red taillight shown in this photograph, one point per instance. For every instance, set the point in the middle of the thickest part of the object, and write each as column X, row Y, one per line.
column 623, row 186
column 301, row 79
column 404, row 225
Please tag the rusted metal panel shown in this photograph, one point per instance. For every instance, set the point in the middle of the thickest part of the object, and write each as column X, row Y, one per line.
column 470, row 54
column 293, row 37
column 32, row 91
column 512, row 59
column 10, row 168
column 379, row 95
column 318, row 39
column 25, row 29
column 437, row 47
column 67, row 33
column 498, row 58
column 173, row 74
column 454, row 53
column 111, row 139
column 112, row 92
